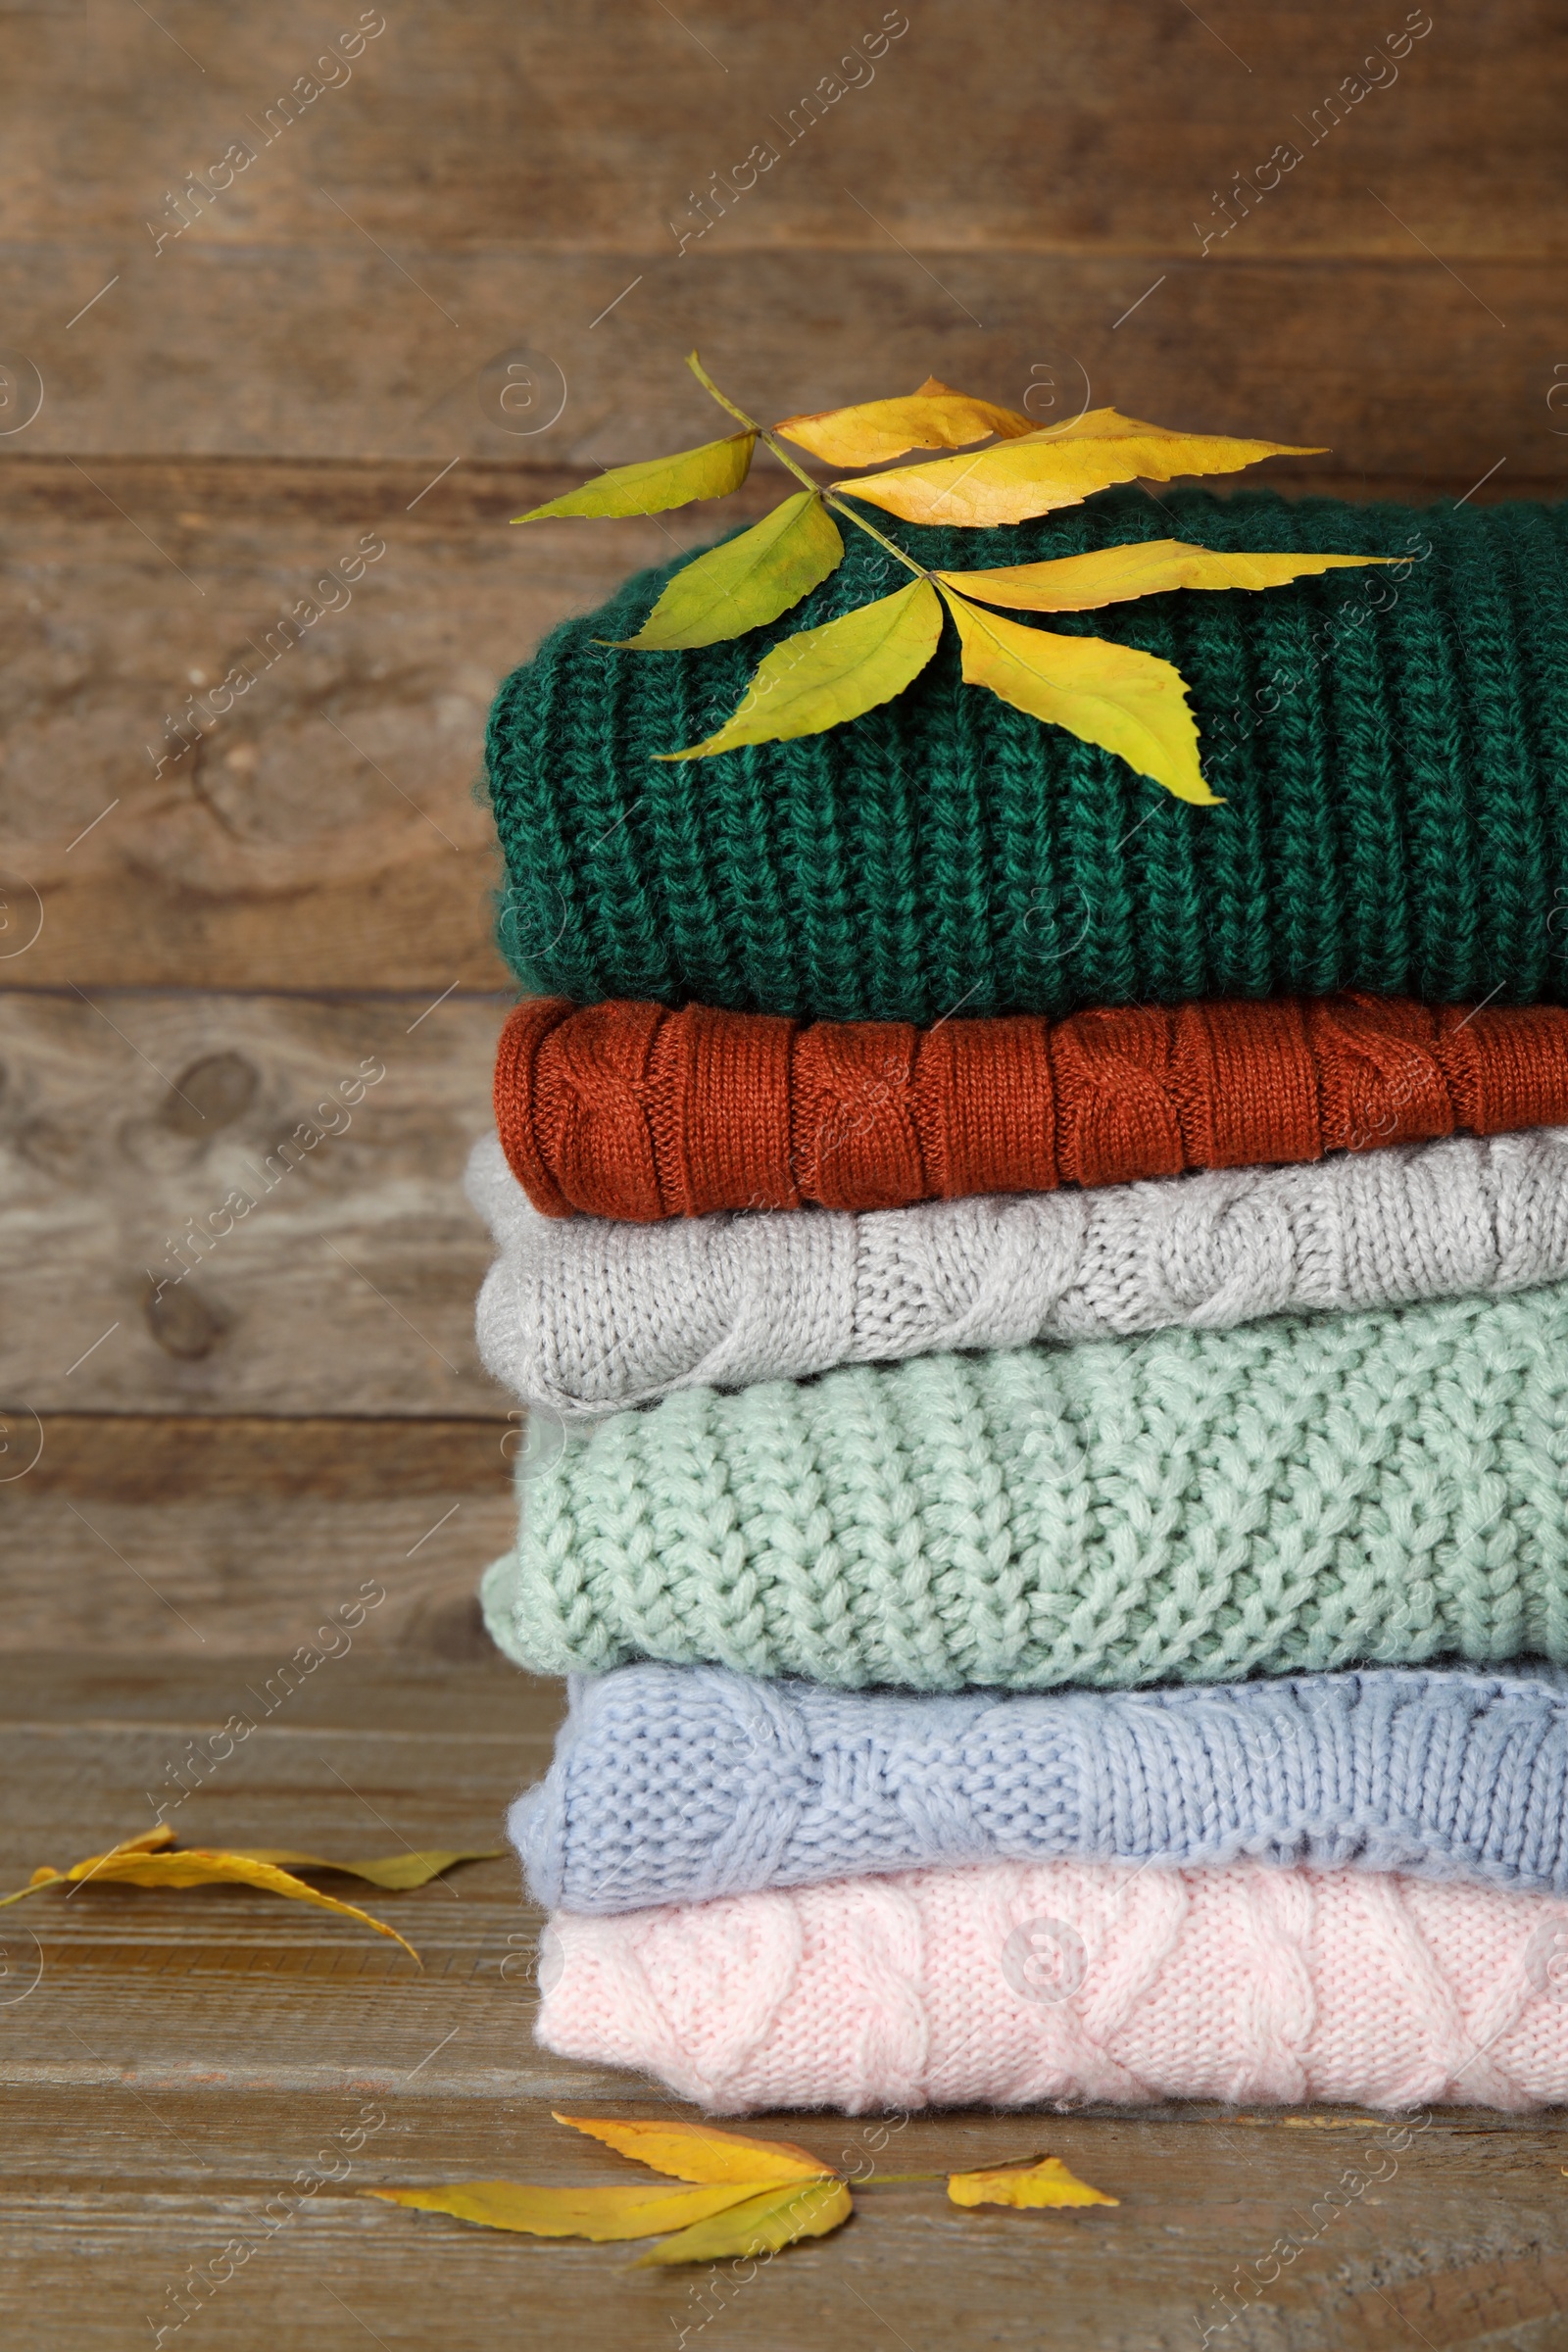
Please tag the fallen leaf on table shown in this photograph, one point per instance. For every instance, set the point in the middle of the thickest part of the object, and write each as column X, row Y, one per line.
column 699, row 2152
column 396, row 1872
column 633, row 2209
column 1046, row 2182
column 147, row 1861
column 779, row 2217
column 1329, row 2123
column 750, row 2196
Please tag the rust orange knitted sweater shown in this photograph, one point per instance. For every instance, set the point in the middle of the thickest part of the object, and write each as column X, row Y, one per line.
column 631, row 1110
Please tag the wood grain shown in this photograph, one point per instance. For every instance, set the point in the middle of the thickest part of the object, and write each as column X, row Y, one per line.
column 907, row 2270
column 218, row 2040
column 135, row 1128
column 326, row 831
column 1017, row 202
column 409, row 1692
column 334, row 301
column 1103, row 129
column 160, row 1538
column 323, row 832
column 1397, row 363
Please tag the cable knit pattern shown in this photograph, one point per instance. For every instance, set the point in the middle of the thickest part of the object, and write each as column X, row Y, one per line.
column 626, row 1111
column 585, row 1313
column 1386, row 745
column 1017, row 1984
column 677, row 1784
column 1387, row 1487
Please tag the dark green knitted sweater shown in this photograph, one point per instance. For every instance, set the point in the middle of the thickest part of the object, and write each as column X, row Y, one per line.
column 1393, row 752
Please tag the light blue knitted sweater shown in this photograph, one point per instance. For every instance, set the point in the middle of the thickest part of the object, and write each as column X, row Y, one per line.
column 672, row 1784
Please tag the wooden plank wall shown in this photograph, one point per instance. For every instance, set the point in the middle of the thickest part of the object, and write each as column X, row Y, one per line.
column 304, row 303
column 268, row 306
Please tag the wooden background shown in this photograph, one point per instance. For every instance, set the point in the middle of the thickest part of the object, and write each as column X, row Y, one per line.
column 1013, row 197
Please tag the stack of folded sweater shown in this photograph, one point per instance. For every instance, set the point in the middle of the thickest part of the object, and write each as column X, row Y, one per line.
column 1048, row 1312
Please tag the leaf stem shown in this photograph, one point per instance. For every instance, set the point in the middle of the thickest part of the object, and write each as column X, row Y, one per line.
column 723, row 398
column 35, row 1887
column 801, row 475
column 870, row 529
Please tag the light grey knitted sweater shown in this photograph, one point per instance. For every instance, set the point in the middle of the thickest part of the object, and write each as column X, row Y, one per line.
column 585, row 1315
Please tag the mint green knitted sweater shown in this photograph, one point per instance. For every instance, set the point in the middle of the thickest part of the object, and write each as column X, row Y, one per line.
column 1188, row 1506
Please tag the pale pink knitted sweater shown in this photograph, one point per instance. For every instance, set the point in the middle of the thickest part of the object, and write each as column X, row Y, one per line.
column 1013, row 1983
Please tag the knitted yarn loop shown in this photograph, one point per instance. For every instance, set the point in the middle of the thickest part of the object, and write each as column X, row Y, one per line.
column 627, row 1110
column 1016, row 1983
column 680, row 1784
column 1299, row 1494
column 585, row 1313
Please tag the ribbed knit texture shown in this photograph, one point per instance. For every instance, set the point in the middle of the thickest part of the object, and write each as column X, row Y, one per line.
column 626, row 1111
column 677, row 1784
column 584, row 1313
column 1393, row 753
column 1016, row 1983
column 1386, row 1487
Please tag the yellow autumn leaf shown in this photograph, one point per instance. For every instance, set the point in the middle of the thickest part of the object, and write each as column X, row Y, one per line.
column 1328, row 2123
column 822, row 676
column 934, row 417
column 396, row 1872
column 791, row 2210
column 1110, row 425
column 147, row 1842
column 746, row 582
column 1047, row 2183
column 197, row 1866
column 140, row 1862
column 700, row 2152
column 1112, row 575
column 1131, row 703
column 1040, row 472
column 655, row 484
column 630, row 2209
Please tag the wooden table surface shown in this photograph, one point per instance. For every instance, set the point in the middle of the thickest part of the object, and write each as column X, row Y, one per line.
column 171, row 2064
column 210, row 393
